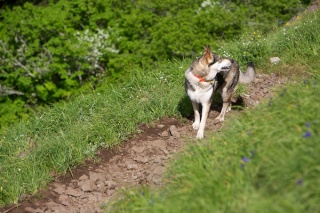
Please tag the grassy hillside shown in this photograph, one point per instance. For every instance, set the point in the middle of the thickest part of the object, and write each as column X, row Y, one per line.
column 71, row 131
column 265, row 160
column 68, row 132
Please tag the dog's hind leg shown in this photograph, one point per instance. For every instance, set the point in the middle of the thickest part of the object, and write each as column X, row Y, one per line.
column 229, row 107
column 226, row 97
column 204, row 116
column 196, row 111
column 224, row 109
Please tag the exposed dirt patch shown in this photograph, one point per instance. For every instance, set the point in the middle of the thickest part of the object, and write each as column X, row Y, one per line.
column 138, row 161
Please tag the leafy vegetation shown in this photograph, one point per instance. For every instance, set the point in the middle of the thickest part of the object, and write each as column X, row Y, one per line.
column 53, row 50
column 66, row 133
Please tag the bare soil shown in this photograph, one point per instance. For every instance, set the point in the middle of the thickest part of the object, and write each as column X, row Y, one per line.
column 140, row 160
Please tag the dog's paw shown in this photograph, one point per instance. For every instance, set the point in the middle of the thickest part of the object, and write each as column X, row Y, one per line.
column 200, row 134
column 195, row 125
column 220, row 119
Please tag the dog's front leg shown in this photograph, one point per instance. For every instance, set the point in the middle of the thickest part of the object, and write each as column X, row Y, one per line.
column 205, row 113
column 196, row 122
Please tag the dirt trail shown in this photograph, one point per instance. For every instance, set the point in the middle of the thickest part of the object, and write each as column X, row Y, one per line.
column 138, row 161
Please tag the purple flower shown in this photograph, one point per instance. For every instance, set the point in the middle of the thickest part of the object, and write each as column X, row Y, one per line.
column 299, row 182
column 307, row 134
column 308, row 125
column 245, row 159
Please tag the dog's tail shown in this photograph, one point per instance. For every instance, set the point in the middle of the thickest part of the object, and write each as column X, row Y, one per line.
column 248, row 76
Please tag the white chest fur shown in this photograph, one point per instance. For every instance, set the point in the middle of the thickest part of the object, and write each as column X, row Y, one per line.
column 201, row 92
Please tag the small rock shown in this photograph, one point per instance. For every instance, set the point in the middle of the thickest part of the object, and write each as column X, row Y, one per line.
column 63, row 200
column 158, row 143
column 84, row 177
column 174, row 131
column 141, row 159
column 96, row 176
column 52, row 205
column 39, row 210
column 73, row 192
column 110, row 184
column 60, row 189
column 100, row 185
column 161, row 126
column 164, row 134
column 132, row 166
column 156, row 179
column 149, row 178
column 92, row 198
column 88, row 186
column 110, row 192
column 157, row 160
column 30, row 210
column 274, row 60
column 158, row 170
column 166, row 152
column 138, row 149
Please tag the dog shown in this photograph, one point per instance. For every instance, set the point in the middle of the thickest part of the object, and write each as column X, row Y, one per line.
column 209, row 74
column 200, row 85
column 228, row 81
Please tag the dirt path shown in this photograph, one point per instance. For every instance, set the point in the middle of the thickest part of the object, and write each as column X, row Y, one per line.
column 140, row 160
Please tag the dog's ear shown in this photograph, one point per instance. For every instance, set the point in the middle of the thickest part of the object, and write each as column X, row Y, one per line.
column 206, row 48
column 208, row 54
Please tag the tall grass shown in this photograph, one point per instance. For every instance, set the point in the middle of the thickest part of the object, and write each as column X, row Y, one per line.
column 296, row 44
column 68, row 132
column 265, row 160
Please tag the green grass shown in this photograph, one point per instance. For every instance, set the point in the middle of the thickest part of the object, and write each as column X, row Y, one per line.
column 208, row 176
column 68, row 132
column 264, row 160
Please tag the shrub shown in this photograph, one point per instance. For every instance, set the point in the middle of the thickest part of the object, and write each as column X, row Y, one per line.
column 49, row 52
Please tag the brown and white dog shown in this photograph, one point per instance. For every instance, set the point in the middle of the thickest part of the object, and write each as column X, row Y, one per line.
column 205, row 76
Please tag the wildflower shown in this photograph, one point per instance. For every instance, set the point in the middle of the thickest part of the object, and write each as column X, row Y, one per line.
column 299, row 182
column 252, row 153
column 307, row 125
column 245, row 159
column 307, row 134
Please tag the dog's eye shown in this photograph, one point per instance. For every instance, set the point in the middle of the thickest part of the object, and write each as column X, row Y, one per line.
column 210, row 64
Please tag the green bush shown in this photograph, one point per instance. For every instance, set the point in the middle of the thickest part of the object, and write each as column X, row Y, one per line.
column 50, row 52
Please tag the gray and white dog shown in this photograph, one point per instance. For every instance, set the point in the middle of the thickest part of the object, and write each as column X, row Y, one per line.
column 208, row 74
